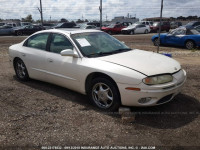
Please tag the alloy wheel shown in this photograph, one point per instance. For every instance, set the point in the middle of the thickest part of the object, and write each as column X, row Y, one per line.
column 21, row 69
column 189, row 45
column 102, row 95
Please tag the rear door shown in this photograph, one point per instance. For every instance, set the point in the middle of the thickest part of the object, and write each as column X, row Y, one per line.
column 34, row 53
column 140, row 28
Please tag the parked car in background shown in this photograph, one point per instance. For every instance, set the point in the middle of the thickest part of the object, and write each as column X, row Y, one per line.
column 25, row 24
column 97, row 24
column 165, row 26
column 197, row 28
column 126, row 24
column 85, row 26
column 113, row 28
column 192, row 24
column 27, row 30
column 149, row 23
column 189, row 38
column 12, row 24
column 65, row 25
column 175, row 25
column 95, row 63
column 2, row 24
column 6, row 30
column 135, row 29
column 48, row 25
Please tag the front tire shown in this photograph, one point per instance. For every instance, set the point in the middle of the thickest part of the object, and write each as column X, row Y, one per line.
column 104, row 94
column 190, row 45
column 155, row 42
column 19, row 33
column 20, row 70
column 109, row 32
column 146, row 32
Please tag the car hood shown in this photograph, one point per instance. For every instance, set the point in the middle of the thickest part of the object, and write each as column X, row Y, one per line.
column 147, row 63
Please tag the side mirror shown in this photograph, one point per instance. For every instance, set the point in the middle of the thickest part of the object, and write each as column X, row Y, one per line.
column 69, row 52
column 123, row 42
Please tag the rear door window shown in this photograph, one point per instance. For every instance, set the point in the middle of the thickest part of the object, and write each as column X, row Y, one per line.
column 38, row 41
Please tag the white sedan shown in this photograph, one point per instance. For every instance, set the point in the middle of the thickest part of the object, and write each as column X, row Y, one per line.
column 94, row 63
column 136, row 29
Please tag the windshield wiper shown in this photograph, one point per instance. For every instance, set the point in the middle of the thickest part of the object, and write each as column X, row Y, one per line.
column 99, row 54
column 121, row 50
column 108, row 53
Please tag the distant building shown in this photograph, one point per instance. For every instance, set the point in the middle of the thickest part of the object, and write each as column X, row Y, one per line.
column 183, row 20
column 16, row 21
column 156, row 19
column 121, row 19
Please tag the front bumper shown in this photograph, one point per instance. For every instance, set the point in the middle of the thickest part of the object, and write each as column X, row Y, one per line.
column 158, row 94
column 125, row 31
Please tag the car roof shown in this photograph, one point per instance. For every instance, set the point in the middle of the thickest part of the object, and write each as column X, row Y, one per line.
column 69, row 31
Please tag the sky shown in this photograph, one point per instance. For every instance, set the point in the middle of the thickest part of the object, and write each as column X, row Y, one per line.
column 89, row 9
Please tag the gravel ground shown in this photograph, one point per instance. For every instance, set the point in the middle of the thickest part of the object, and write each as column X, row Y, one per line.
column 35, row 114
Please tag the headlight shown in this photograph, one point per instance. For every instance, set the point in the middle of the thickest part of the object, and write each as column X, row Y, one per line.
column 160, row 79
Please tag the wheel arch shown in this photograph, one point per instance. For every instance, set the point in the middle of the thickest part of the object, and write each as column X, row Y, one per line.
column 15, row 59
column 94, row 75
column 190, row 40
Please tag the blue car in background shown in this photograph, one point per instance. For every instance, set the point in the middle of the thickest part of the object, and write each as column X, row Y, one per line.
column 189, row 38
column 6, row 30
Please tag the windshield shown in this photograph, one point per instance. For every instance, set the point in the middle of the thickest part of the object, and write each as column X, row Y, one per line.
column 138, row 23
column 132, row 26
column 95, row 44
column 58, row 25
column 111, row 26
column 190, row 24
column 194, row 31
column 156, row 24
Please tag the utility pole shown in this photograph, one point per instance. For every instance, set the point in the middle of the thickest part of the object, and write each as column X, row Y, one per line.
column 161, row 10
column 100, row 9
column 41, row 13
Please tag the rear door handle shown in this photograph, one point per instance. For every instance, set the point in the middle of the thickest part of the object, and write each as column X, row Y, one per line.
column 23, row 54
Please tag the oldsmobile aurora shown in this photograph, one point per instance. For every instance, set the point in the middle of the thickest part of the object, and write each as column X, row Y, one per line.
column 94, row 63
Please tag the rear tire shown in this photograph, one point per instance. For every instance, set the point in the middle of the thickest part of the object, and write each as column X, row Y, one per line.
column 20, row 70
column 104, row 94
column 132, row 32
column 190, row 45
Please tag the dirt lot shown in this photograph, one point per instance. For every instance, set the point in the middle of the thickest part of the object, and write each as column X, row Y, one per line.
column 35, row 114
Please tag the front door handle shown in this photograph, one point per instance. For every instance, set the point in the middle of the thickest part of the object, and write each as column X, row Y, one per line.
column 23, row 54
column 50, row 60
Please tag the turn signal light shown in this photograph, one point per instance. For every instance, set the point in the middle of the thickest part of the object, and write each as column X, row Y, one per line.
column 133, row 89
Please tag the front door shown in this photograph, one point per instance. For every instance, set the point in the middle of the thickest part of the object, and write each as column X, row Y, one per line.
column 176, row 37
column 62, row 70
